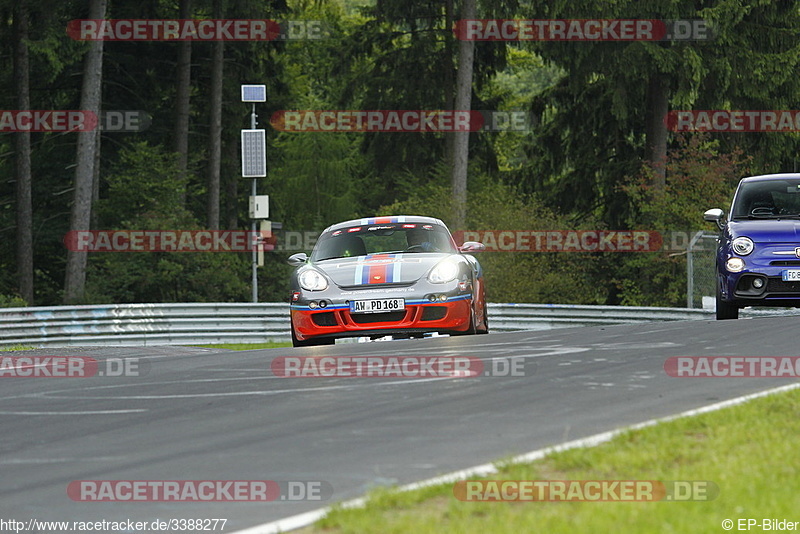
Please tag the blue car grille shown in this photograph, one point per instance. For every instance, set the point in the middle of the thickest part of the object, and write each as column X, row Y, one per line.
column 776, row 285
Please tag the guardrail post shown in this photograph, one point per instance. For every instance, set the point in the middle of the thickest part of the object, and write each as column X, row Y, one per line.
column 690, row 269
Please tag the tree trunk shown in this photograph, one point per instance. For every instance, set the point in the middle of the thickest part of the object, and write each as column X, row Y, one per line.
column 96, row 179
column 466, row 55
column 182, row 99
column 656, row 130
column 447, row 69
column 23, row 159
column 75, row 281
column 215, row 132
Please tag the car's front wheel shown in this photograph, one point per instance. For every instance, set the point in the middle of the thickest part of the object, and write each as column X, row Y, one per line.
column 485, row 329
column 725, row 310
column 471, row 328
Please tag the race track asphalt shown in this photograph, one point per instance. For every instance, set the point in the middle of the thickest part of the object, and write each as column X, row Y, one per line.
column 206, row 414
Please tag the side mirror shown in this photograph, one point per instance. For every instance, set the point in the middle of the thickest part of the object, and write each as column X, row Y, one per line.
column 715, row 215
column 296, row 260
column 472, row 246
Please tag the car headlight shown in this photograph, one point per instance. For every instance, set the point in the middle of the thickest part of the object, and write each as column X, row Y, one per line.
column 312, row 280
column 734, row 265
column 444, row 271
column 742, row 246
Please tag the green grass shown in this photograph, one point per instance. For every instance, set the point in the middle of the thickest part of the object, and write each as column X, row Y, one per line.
column 248, row 346
column 11, row 348
column 749, row 451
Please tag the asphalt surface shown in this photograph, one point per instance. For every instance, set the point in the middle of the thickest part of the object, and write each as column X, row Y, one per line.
column 204, row 414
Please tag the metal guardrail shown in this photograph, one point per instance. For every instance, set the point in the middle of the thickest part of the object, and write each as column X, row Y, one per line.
column 510, row 317
column 144, row 324
column 211, row 323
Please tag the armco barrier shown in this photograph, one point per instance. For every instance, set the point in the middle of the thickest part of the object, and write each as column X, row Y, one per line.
column 144, row 324
column 207, row 323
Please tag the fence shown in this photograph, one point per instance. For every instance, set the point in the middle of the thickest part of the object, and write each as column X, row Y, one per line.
column 209, row 323
column 700, row 275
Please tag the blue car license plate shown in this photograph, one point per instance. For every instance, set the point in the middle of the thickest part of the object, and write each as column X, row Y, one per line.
column 790, row 275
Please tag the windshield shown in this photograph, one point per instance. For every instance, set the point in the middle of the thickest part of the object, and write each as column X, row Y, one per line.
column 383, row 238
column 767, row 199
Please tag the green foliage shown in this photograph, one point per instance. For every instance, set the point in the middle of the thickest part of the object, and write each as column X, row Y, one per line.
column 594, row 121
column 315, row 183
column 403, row 55
column 12, row 301
column 168, row 277
column 144, row 194
column 144, row 188
column 564, row 277
column 699, row 177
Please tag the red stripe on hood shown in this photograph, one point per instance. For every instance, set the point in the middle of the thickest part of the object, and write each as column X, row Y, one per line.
column 380, row 270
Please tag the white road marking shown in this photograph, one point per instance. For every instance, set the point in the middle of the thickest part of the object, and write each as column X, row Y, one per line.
column 93, row 459
column 87, row 412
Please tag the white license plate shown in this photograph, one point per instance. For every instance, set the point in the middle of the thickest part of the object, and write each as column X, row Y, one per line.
column 791, row 275
column 377, row 305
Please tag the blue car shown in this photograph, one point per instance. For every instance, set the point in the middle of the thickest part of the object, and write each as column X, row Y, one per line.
column 758, row 259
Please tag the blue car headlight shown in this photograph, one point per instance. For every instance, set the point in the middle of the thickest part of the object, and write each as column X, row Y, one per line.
column 312, row 280
column 734, row 265
column 742, row 246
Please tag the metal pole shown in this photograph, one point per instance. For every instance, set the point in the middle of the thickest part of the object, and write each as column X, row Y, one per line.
column 689, row 277
column 690, row 269
column 253, row 124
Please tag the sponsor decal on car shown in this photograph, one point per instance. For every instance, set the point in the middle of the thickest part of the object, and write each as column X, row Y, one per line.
column 378, row 269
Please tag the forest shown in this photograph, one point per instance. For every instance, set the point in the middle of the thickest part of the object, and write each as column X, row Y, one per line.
column 598, row 153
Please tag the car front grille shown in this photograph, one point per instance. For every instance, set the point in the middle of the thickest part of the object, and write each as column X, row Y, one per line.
column 383, row 317
column 785, row 263
column 376, row 286
column 324, row 319
column 433, row 313
column 776, row 285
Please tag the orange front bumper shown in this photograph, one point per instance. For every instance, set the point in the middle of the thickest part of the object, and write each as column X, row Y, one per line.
column 449, row 316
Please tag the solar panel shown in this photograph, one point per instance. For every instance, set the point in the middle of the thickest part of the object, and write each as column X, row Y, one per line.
column 254, row 153
column 254, row 93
